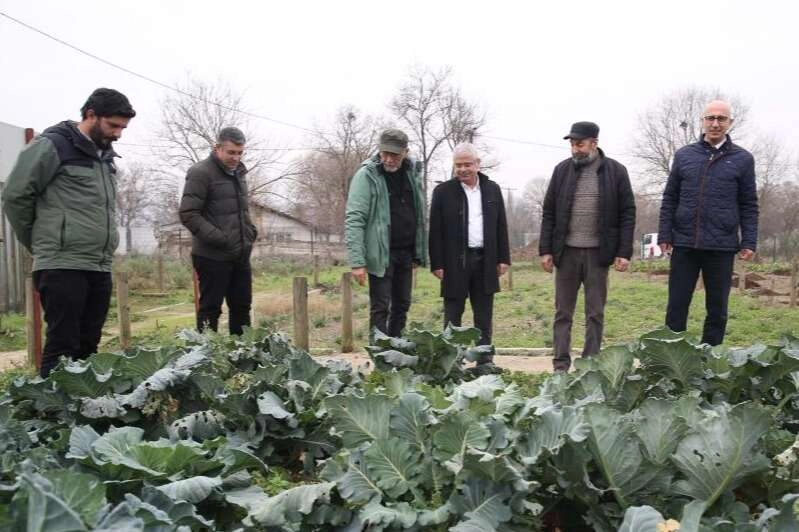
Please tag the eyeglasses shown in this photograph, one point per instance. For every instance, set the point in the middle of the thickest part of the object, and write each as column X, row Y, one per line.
column 721, row 119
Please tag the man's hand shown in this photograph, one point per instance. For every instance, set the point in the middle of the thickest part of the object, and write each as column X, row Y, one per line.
column 746, row 254
column 621, row 264
column 546, row 263
column 665, row 248
column 439, row 273
column 502, row 269
column 360, row 275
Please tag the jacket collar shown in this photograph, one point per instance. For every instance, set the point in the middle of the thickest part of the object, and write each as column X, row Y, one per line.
column 69, row 130
column 240, row 169
column 728, row 144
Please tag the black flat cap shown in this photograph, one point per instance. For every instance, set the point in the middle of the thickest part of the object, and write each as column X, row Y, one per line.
column 583, row 130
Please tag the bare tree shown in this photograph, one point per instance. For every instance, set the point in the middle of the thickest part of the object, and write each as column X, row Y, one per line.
column 436, row 113
column 133, row 198
column 191, row 120
column 674, row 122
column 320, row 195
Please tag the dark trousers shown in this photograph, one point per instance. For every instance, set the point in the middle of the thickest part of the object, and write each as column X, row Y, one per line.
column 390, row 295
column 579, row 266
column 481, row 302
column 75, row 304
column 228, row 281
column 716, row 268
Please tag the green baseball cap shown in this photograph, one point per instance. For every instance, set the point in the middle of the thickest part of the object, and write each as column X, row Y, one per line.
column 393, row 141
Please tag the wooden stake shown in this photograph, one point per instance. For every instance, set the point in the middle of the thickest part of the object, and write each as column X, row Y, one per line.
column 33, row 325
column 315, row 271
column 301, row 312
column 510, row 278
column 123, row 309
column 346, row 312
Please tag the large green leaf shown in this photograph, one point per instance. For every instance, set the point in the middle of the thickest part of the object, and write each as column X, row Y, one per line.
column 482, row 501
column 47, row 512
column 616, row 450
column 176, row 372
column 133, row 514
column 641, row 519
column 391, row 358
column 203, row 425
column 122, row 454
column 378, row 517
column 289, row 506
column 553, row 427
column 660, row 428
column 410, row 419
column 614, row 363
column 720, row 452
column 84, row 493
column 360, row 419
column 672, row 358
column 394, row 465
column 194, row 489
column 180, row 512
column 79, row 379
column 356, row 485
column 455, row 435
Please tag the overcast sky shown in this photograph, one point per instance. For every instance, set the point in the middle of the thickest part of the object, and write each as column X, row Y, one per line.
column 535, row 68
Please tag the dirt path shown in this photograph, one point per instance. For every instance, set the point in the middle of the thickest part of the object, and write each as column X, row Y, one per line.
column 530, row 364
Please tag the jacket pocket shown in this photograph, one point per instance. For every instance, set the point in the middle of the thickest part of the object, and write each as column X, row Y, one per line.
column 62, row 240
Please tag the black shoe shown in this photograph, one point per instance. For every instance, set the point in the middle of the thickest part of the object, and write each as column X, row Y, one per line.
column 486, row 368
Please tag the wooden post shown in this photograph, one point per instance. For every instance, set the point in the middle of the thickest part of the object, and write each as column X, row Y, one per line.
column 160, row 268
column 742, row 280
column 123, row 309
column 33, row 324
column 315, row 271
column 794, row 280
column 301, row 312
column 195, row 279
column 346, row 312
column 510, row 278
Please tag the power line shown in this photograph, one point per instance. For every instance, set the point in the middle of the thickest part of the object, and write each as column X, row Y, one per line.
column 167, row 147
column 228, row 108
column 149, row 79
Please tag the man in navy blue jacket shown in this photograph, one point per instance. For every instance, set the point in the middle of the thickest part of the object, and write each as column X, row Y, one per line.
column 709, row 212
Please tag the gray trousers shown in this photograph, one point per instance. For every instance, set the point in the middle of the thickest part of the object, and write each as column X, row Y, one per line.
column 579, row 266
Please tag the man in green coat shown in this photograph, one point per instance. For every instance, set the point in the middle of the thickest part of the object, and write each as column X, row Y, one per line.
column 60, row 199
column 385, row 231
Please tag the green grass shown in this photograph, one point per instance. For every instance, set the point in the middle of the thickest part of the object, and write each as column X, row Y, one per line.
column 12, row 332
column 522, row 317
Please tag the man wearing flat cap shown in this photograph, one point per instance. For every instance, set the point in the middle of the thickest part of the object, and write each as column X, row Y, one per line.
column 385, row 232
column 587, row 224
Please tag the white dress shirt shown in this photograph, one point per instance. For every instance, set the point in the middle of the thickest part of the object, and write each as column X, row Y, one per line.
column 475, row 228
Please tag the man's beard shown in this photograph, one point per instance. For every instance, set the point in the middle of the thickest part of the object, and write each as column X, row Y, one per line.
column 96, row 134
column 584, row 160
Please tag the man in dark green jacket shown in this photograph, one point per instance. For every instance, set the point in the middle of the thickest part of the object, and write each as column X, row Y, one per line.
column 385, row 231
column 214, row 208
column 60, row 199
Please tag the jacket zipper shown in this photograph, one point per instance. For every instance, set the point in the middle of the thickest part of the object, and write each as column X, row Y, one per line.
column 710, row 161
column 464, row 224
column 107, row 211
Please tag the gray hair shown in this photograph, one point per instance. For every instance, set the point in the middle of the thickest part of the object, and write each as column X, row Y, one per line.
column 466, row 148
column 232, row 134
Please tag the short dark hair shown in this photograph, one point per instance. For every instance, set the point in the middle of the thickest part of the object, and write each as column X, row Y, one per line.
column 108, row 102
column 232, row 134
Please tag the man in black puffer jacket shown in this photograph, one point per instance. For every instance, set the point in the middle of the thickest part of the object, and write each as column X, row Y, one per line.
column 587, row 224
column 214, row 208
column 710, row 195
